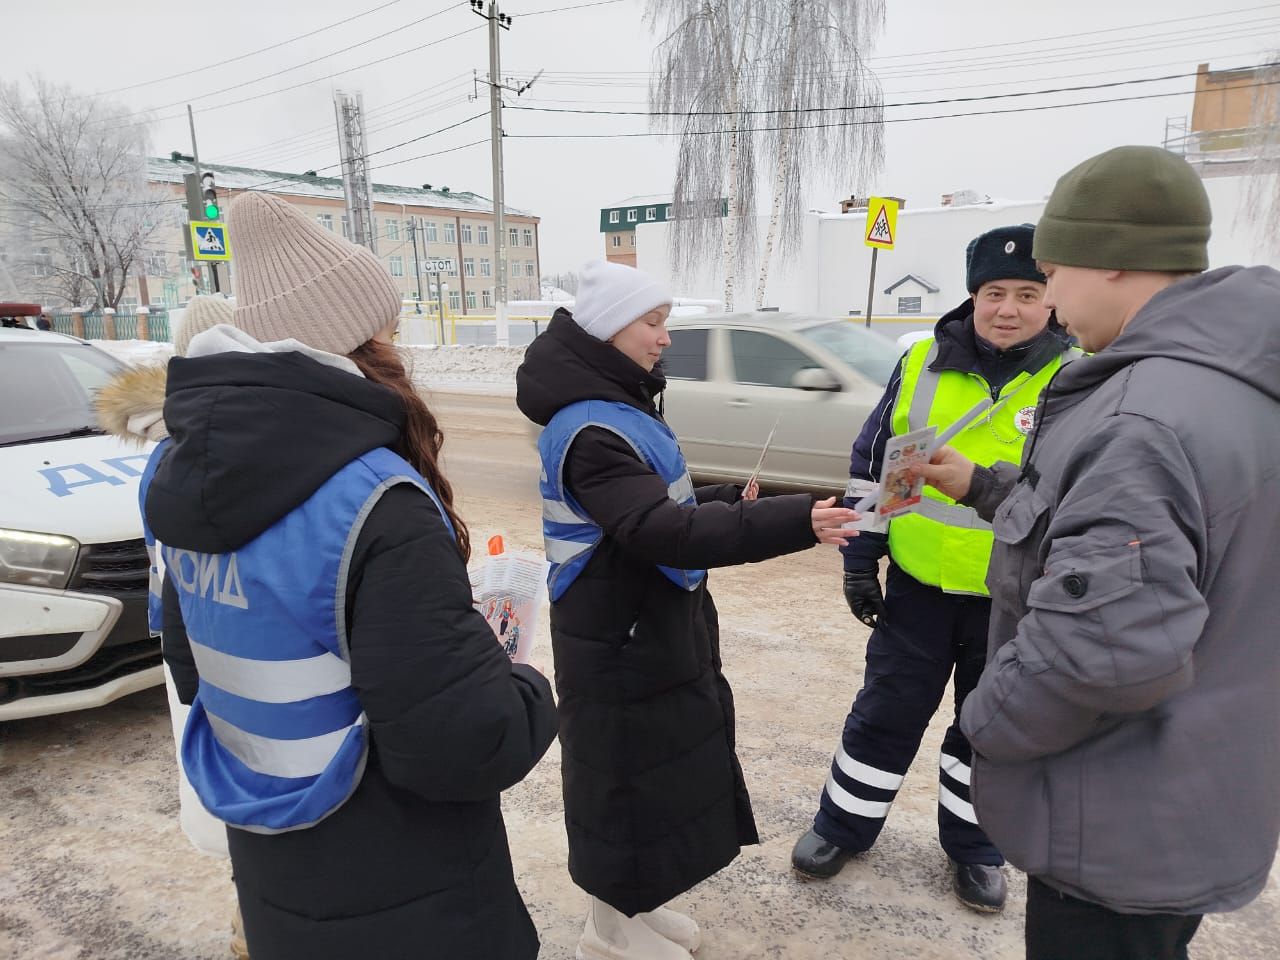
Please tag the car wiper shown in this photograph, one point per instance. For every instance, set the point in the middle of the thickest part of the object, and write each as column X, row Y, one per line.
column 65, row 435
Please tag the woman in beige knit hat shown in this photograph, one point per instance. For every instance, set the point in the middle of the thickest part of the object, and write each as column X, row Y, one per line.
column 353, row 719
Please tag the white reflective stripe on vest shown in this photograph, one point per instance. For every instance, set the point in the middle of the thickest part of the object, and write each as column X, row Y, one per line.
column 562, row 551
column 957, row 806
column 558, row 512
column 953, row 515
column 926, row 390
column 863, row 773
column 272, row 681
column 842, row 798
column 680, row 490
column 290, row 759
column 956, row 769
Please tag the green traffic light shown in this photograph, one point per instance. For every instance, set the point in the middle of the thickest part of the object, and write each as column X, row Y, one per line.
column 211, row 211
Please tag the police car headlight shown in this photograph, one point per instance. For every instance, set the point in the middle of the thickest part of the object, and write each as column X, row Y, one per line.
column 36, row 559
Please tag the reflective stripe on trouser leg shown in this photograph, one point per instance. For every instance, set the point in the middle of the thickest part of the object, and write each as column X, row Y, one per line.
column 855, row 802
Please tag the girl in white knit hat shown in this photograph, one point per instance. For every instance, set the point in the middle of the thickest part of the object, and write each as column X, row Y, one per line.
column 655, row 800
column 353, row 720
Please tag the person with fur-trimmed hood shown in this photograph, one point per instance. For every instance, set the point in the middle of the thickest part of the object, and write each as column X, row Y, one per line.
column 354, row 720
column 131, row 407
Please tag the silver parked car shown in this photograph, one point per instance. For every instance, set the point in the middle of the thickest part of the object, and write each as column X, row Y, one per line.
column 730, row 378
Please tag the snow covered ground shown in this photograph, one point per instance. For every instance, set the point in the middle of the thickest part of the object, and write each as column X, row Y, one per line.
column 472, row 369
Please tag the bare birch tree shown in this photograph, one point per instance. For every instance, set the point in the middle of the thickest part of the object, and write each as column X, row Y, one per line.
column 744, row 79
column 74, row 195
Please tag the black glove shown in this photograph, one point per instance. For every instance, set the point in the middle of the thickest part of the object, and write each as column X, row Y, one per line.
column 863, row 594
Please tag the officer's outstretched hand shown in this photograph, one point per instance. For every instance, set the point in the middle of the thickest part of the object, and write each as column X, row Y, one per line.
column 948, row 471
column 863, row 594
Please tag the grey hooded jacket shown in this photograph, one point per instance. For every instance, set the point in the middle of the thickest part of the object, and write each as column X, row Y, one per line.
column 1127, row 727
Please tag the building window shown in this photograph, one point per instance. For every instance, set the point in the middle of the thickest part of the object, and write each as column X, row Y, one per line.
column 633, row 238
column 346, row 229
column 528, row 268
column 908, row 304
column 466, row 233
column 632, row 216
column 614, row 216
column 468, row 266
column 667, row 215
column 397, row 266
column 325, row 220
column 482, row 235
column 455, row 301
column 393, row 229
column 650, row 213
column 471, row 299
column 42, row 263
column 431, row 231
column 528, row 237
column 157, row 264
column 513, row 237
column 453, row 267
column 450, row 235
column 486, row 298
column 486, row 268
column 617, row 240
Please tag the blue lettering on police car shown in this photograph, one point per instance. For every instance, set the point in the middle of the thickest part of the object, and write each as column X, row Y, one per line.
column 62, row 486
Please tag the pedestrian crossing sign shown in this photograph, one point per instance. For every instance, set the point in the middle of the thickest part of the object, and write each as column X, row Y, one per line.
column 209, row 240
column 882, row 222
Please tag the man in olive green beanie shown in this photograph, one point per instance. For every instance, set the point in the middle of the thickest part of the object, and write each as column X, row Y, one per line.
column 1125, row 728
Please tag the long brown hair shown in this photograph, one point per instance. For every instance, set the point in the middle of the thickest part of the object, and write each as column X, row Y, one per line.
column 421, row 439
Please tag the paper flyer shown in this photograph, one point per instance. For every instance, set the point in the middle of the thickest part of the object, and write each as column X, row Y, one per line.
column 508, row 589
column 898, row 492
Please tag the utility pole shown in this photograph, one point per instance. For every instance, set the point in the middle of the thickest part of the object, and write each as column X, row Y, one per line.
column 498, row 21
column 356, row 182
column 417, row 264
column 195, row 159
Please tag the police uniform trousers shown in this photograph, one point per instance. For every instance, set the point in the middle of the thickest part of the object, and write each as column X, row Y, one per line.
column 924, row 637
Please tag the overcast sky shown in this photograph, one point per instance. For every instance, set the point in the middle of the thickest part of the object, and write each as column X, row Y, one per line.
column 598, row 58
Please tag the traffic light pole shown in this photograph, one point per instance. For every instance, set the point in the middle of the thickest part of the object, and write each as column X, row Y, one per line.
column 195, row 159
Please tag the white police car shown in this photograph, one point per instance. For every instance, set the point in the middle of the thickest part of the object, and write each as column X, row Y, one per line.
column 73, row 565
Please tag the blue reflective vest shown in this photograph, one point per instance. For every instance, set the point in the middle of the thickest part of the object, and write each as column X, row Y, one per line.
column 569, row 533
column 276, row 739
column 155, row 621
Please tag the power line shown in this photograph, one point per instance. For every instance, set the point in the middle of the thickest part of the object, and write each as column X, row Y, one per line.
column 875, row 106
column 860, row 123
column 251, row 53
column 581, row 6
column 315, row 60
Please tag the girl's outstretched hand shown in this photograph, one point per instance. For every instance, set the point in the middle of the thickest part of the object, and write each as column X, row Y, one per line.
column 827, row 520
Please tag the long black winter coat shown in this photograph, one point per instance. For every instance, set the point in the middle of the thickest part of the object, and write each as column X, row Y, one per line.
column 415, row 864
column 655, row 799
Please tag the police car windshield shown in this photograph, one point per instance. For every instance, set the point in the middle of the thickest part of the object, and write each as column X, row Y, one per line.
column 47, row 388
column 873, row 356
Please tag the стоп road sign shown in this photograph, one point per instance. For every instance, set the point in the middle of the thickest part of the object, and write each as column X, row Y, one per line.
column 882, row 223
column 438, row 265
column 209, row 240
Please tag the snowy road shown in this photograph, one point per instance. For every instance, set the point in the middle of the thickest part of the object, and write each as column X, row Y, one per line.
column 94, row 866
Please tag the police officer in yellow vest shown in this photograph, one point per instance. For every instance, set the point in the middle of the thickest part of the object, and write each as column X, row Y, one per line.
column 932, row 618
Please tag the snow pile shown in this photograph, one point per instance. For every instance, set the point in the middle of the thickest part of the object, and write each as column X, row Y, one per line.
column 431, row 366
column 136, row 353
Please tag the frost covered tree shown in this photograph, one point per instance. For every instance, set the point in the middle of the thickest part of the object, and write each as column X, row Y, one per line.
column 757, row 87
column 1262, row 143
column 74, row 199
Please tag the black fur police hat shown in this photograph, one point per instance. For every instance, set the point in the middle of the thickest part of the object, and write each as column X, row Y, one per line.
column 1001, row 254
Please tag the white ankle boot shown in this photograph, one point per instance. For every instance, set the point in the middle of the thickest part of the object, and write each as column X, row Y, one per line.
column 610, row 935
column 675, row 926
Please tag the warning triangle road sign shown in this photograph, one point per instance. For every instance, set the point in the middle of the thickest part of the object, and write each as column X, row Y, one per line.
column 880, row 231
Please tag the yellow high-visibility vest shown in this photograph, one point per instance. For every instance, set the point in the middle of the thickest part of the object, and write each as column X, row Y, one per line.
column 944, row 544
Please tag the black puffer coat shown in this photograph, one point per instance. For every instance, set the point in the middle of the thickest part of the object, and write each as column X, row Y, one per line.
column 655, row 799
column 415, row 864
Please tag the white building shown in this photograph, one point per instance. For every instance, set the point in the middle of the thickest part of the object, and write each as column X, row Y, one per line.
column 924, row 275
